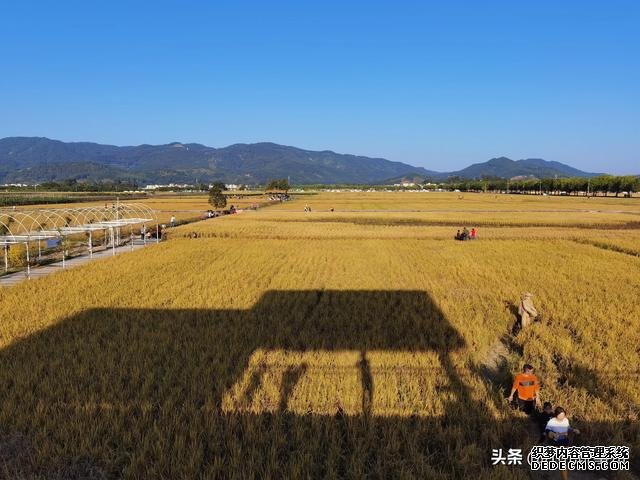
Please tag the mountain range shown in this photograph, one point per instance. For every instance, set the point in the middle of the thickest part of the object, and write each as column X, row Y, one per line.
column 38, row 159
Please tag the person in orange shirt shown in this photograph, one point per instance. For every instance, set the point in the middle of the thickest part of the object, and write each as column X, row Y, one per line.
column 528, row 387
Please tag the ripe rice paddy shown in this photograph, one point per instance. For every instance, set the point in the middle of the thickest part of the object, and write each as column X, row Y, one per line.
column 363, row 342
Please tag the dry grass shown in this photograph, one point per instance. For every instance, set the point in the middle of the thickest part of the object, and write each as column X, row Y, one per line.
column 284, row 345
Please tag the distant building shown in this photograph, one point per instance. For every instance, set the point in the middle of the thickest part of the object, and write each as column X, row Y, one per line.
column 523, row 177
column 168, row 185
column 231, row 186
column 405, row 183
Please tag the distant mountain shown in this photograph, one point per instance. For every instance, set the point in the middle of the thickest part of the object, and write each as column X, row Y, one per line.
column 35, row 159
column 38, row 159
column 506, row 168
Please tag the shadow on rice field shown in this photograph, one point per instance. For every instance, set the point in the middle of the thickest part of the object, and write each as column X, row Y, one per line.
column 317, row 383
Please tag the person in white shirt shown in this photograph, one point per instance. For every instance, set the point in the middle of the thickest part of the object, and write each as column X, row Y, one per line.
column 558, row 430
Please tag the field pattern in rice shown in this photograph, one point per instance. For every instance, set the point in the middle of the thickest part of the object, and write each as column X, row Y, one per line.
column 285, row 344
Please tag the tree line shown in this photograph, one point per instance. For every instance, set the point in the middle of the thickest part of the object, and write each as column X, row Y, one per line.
column 603, row 185
column 73, row 185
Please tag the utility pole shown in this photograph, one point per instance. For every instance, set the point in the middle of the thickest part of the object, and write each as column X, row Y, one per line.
column 540, row 187
column 588, row 186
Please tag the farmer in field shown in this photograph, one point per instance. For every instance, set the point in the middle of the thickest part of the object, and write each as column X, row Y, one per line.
column 526, row 310
column 527, row 386
column 473, row 234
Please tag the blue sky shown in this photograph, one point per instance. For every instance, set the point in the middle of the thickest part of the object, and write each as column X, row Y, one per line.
column 440, row 85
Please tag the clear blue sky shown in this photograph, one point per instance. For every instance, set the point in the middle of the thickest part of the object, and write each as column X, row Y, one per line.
column 439, row 85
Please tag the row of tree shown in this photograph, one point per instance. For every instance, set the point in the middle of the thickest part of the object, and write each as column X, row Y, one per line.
column 602, row 185
column 73, row 185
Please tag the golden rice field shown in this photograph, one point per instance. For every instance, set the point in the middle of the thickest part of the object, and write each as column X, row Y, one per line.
column 356, row 343
column 166, row 205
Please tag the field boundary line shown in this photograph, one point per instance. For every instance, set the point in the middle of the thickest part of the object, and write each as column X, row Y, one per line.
column 607, row 246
